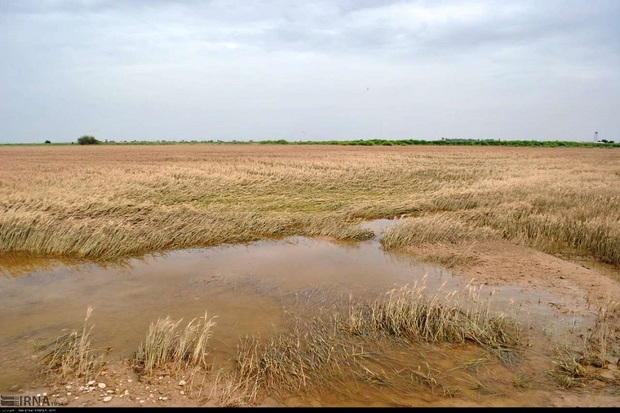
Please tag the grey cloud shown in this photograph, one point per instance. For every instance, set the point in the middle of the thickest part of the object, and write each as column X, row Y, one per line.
column 279, row 67
column 339, row 27
column 575, row 25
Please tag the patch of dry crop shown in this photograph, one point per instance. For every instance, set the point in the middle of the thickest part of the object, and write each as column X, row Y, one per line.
column 108, row 202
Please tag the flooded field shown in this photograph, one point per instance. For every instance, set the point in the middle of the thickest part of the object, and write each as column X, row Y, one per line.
column 251, row 289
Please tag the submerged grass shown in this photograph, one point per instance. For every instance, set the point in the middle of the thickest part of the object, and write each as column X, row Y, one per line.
column 381, row 344
column 333, row 354
column 386, row 350
column 564, row 200
column 575, row 367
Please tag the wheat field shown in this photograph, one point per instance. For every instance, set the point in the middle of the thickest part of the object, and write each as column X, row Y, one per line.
column 109, row 202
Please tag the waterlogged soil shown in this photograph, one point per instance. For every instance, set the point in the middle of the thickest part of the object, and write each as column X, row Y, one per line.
column 253, row 289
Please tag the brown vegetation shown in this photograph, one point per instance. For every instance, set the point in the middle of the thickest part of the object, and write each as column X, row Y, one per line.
column 116, row 201
column 110, row 202
column 358, row 344
column 70, row 355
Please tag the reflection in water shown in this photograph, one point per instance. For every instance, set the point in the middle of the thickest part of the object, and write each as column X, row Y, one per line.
column 246, row 286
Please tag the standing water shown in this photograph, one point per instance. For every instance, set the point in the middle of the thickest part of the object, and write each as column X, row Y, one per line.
column 248, row 287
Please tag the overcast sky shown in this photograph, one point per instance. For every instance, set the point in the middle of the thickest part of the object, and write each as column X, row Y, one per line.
column 309, row 70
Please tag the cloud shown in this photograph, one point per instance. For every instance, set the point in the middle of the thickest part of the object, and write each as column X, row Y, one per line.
column 258, row 69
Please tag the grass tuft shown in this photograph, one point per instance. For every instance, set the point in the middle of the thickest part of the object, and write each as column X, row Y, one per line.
column 71, row 355
column 166, row 345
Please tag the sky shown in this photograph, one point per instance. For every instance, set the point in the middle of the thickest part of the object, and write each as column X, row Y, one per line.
column 309, row 70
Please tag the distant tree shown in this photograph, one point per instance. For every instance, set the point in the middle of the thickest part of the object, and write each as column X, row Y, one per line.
column 87, row 140
column 48, row 142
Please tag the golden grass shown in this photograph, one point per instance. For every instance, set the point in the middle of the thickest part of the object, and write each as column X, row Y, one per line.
column 108, row 202
column 71, row 355
column 410, row 313
column 333, row 353
column 228, row 390
column 361, row 342
column 576, row 367
column 432, row 229
column 166, row 346
column 397, row 344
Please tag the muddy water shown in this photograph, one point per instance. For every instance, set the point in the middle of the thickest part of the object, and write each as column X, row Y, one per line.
column 248, row 287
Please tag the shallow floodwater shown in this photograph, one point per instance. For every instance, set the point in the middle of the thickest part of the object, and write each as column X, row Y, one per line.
column 248, row 287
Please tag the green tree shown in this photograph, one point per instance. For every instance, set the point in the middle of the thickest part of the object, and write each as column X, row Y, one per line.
column 87, row 140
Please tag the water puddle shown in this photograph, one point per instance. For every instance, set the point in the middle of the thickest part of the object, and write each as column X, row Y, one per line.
column 249, row 288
